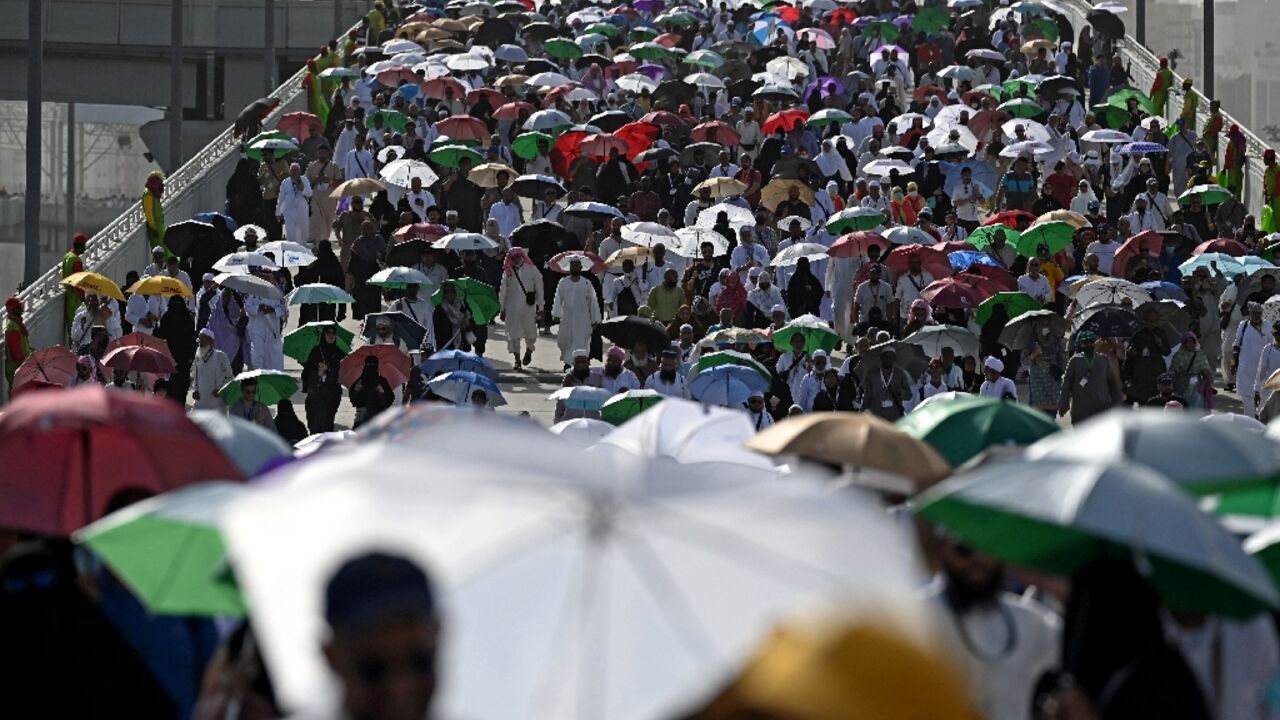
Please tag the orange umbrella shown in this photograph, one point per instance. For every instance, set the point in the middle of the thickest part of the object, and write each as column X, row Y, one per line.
column 435, row 87
column 393, row 365
column 463, row 127
column 787, row 120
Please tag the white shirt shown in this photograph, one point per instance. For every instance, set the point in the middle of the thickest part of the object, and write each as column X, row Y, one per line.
column 508, row 215
column 357, row 164
column 420, row 201
column 749, row 132
column 1037, row 287
column 673, row 389
column 1146, row 220
column 998, row 389
column 625, row 381
column 908, row 291
column 1106, row 253
column 1234, row 660
column 953, row 233
column 728, row 171
column 870, row 294
column 966, row 200
column 745, row 253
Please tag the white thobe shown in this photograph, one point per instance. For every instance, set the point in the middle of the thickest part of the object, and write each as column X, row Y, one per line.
column 521, row 317
column 1250, row 341
column 419, row 311
column 508, row 215
column 625, row 381
column 210, row 371
column 675, row 388
column 791, row 370
column 266, row 344
column 138, row 307
column 357, row 164
column 294, row 205
column 1268, row 363
column 1234, row 661
column 578, row 308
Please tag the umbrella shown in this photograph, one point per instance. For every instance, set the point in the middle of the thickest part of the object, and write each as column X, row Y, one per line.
column 54, row 365
column 446, row 361
column 1107, row 321
column 965, row 259
column 792, row 255
column 1020, row 332
column 161, row 285
column 590, row 261
column 92, row 282
column 722, row 187
column 528, row 145
column 249, row 285
column 140, row 339
column 398, row 277
column 624, row 406
column 601, row 145
column 1208, row 194
column 465, row 241
column 594, row 211
column 785, row 120
column 1142, row 148
column 68, row 454
column 402, row 172
column 1228, row 265
column 273, row 386
column 726, row 385
column 1057, row 235
column 878, row 454
column 403, row 328
column 907, row 235
column 537, row 186
column 451, row 156
column 856, row 244
column 357, row 186
column 1109, row 137
column 252, row 448
column 647, row 234
column 1222, row 246
column 627, row 330
column 542, row 237
column 1008, row 218
column 910, row 358
column 965, row 427
column 242, row 262
column 715, row 131
column 738, row 216
column 316, row 293
column 693, row 238
column 1165, row 291
column 1076, row 220
column 135, row 358
column 951, row 293
column 458, row 386
column 932, row 261
column 735, row 336
column 393, row 365
column 168, row 549
column 299, row 343
column 583, row 398
column 1015, row 304
column 1106, row 23
column 288, row 254
column 933, row 338
column 581, row 432
column 1110, row 291
column 817, row 334
column 731, row 357
column 778, row 191
column 857, row 218
column 1064, row 514
column 480, row 298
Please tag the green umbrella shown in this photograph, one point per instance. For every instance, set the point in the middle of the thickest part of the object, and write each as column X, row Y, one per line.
column 1110, row 116
column 675, row 18
column 1056, row 516
column 856, row 218
column 393, row 119
column 1120, row 99
column 1021, row 107
column 298, row 344
column 562, row 48
column 1011, row 86
column 829, row 116
column 1056, row 234
column 481, row 298
column 643, row 33
column 169, row 552
column 273, row 386
column 963, row 427
column 981, row 237
column 994, row 91
column 621, row 408
column 604, row 28
column 1015, row 303
column 930, row 20
column 273, row 140
column 526, row 144
column 651, row 51
column 451, row 155
column 882, row 29
column 817, row 334
column 704, row 58
column 1208, row 194
column 733, row 357
column 1046, row 27
column 446, row 141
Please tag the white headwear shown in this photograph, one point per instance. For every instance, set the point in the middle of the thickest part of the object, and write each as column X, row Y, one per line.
column 994, row 363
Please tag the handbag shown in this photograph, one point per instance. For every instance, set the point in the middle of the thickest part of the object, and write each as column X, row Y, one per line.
column 530, row 297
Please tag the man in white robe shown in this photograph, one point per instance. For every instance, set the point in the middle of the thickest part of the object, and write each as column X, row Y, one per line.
column 210, row 371
column 265, row 332
column 577, row 308
column 1251, row 337
column 293, row 206
column 520, row 280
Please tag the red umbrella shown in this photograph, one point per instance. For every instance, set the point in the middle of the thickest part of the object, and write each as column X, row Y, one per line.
column 716, row 132
column 419, row 230
column 662, row 117
column 639, row 137
column 923, row 93
column 599, row 146
column 566, row 149
column 557, row 94
column 668, row 39
column 984, row 286
column 496, row 98
column 297, row 124
column 1147, row 242
column 787, row 120
column 954, row 246
column 988, row 121
column 463, row 127
column 434, row 88
column 511, row 111
column 788, row 13
column 393, row 365
column 1010, row 218
column 53, row 365
column 136, row 358
column 934, row 262
column 68, row 455
column 951, row 293
column 855, row 244
column 392, row 77
column 842, row 16
column 1234, row 248
column 1003, row 278
column 142, row 339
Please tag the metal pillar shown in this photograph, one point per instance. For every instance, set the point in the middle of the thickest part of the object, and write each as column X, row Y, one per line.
column 35, row 91
column 1140, row 21
column 337, row 20
column 269, row 46
column 71, row 168
column 175, row 85
column 1208, row 48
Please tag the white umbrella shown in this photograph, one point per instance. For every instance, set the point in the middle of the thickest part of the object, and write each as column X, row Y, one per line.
column 582, row 432
column 395, row 47
column 951, row 115
column 907, row 235
column 242, row 232
column 1109, row 137
column 386, row 153
column 548, row 80
column 460, row 241
column 402, row 172
column 882, row 168
column 399, row 275
column 249, row 285
column 581, row 94
column 785, row 223
column 933, row 338
column 692, row 238
column 1032, row 131
column 649, row 234
column 738, row 216
column 941, row 135
column 288, row 254
column 787, row 67
column 637, row 83
column 704, row 80
column 432, row 69
column 1037, row 150
column 241, row 262
column 661, row 574
column 792, row 255
column 960, row 73
column 1243, row 423
column 903, row 122
column 547, row 120
column 688, row 433
column 1111, row 291
column 511, row 54
column 590, row 40
column 466, row 63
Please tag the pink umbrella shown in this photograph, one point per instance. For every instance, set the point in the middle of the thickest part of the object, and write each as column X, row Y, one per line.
column 463, row 127
column 392, row 77
column 1227, row 246
column 301, row 125
column 855, row 244
column 135, row 358
column 600, row 145
column 53, row 365
column 717, row 132
column 511, row 111
column 951, row 293
column 435, row 87
column 1147, row 242
column 932, row 261
column 496, row 98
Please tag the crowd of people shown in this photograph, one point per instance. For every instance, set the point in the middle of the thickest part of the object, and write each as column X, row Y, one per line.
column 859, row 207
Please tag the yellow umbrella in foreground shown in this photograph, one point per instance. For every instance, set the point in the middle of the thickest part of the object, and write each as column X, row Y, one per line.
column 162, row 285
column 882, row 456
column 93, row 282
column 357, row 186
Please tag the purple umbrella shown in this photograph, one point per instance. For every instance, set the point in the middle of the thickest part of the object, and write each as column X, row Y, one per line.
column 902, row 21
column 655, row 71
column 825, row 86
column 863, row 21
column 649, row 6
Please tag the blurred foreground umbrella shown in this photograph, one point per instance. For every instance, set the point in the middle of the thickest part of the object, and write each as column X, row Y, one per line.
column 133, row 358
column 582, row 432
column 458, row 387
column 1057, row 515
column 250, row 446
column 963, row 428
column 68, row 454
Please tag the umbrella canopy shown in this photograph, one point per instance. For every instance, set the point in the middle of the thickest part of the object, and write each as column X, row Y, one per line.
column 857, row 218
column 402, row 172
column 726, row 385
column 273, row 386
column 134, row 358
column 54, row 365
column 1220, row 246
column 626, row 330
column 459, row 386
column 817, row 334
column 446, row 361
column 792, row 255
column 1110, row 291
column 1020, row 332
column 249, row 285
column 68, row 454
column 1065, row 513
column 317, row 293
column 161, row 285
column 168, row 549
column 1015, row 304
column 92, row 282
column 357, row 186
column 624, row 406
column 951, row 293
column 393, row 365
column 404, row 328
column 251, row 447
column 481, row 299
column 965, row 427
column 1056, row 234
column 288, row 254
column 582, row 398
column 856, row 244
column 581, row 432
column 299, row 343
column 398, row 278
column 933, row 338
column 687, row 433
column 731, row 357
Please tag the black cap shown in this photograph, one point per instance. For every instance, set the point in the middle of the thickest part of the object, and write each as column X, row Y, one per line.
column 373, row 587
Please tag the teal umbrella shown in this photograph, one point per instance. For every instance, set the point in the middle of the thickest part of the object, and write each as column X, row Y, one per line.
column 1021, row 108
column 273, row 386
column 1208, row 194
column 856, row 218
column 562, row 48
column 628, row 405
column 299, row 343
column 981, row 237
column 525, row 145
column 451, row 155
column 393, row 119
column 818, row 335
column 318, row 293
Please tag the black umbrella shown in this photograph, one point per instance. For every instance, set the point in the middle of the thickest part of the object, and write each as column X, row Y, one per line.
column 1253, row 283
column 733, row 71
column 494, row 32
column 1106, row 23
column 1171, row 313
column 743, row 88
column 1055, row 84
column 539, row 31
column 1106, row 321
column 725, row 47
column 676, row 92
column 609, row 121
column 625, row 331
column 776, row 93
column 251, row 117
column 701, row 154
column 190, row 237
column 542, row 238
column 760, row 56
column 540, row 65
column 590, row 58
column 1065, row 29
column 910, row 358
column 536, row 186
column 788, row 168
column 408, row 251
column 1019, row 332
column 655, row 154
column 402, row 327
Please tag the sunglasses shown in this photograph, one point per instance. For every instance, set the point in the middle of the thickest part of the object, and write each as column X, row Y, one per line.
column 376, row 670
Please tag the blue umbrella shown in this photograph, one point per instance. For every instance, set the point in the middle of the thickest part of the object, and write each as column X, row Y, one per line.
column 1142, row 148
column 446, row 361
column 983, row 175
column 963, row 259
column 207, row 217
column 1165, row 291
column 1227, row 264
column 458, row 385
column 582, row 397
column 727, row 385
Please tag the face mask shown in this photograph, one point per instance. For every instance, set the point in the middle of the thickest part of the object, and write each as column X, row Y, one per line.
column 913, row 193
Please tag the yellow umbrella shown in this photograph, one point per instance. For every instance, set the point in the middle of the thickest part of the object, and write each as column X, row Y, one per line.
column 881, row 456
column 637, row 253
column 357, row 186
column 721, row 187
column 92, row 282
column 431, row 33
column 450, row 25
column 777, row 191
column 162, row 285
column 486, row 175
column 1033, row 46
column 1074, row 219
column 511, row 81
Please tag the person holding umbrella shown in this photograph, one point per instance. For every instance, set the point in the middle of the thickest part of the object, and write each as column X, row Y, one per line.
column 177, row 327
column 370, row 393
column 320, row 381
column 1089, row 385
column 368, row 253
column 887, row 387
column 248, row 407
column 1044, row 359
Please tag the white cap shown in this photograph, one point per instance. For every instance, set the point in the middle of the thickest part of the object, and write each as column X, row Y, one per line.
column 581, row 353
column 777, row 309
column 994, row 363
column 819, row 353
